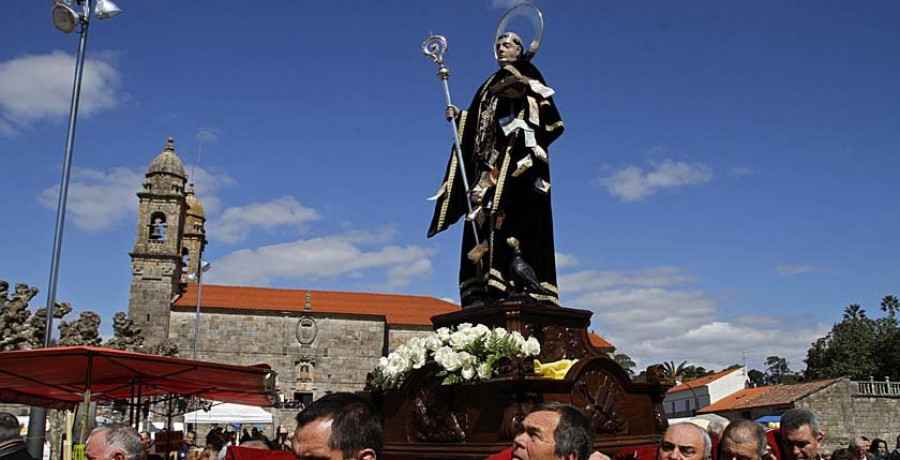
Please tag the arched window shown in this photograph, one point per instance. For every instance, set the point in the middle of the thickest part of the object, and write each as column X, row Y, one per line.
column 185, row 258
column 157, row 226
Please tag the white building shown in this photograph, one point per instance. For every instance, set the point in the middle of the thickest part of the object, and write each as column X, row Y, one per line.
column 686, row 398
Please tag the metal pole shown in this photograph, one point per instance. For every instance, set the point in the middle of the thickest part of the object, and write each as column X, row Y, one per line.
column 434, row 47
column 38, row 417
column 197, row 316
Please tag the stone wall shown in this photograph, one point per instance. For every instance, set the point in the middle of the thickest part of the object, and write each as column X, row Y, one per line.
column 345, row 348
column 844, row 413
column 397, row 335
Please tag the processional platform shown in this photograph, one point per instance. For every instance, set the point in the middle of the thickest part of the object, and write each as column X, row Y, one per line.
column 425, row 419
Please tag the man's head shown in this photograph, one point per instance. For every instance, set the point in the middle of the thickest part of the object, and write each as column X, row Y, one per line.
column 9, row 426
column 859, row 447
column 190, row 438
column 743, row 440
column 338, row 426
column 509, row 49
column 800, row 435
column 554, row 431
column 842, row 453
column 716, row 427
column 113, row 442
column 685, row 441
column 145, row 439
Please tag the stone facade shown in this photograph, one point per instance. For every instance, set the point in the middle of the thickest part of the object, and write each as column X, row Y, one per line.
column 846, row 409
column 345, row 348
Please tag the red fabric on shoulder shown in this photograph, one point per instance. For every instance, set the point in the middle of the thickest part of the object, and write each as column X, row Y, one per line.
column 774, row 438
column 636, row 453
column 505, row 454
column 246, row 453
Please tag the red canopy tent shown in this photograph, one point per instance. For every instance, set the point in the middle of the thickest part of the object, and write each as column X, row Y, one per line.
column 65, row 376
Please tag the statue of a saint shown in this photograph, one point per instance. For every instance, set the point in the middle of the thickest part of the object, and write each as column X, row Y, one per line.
column 504, row 138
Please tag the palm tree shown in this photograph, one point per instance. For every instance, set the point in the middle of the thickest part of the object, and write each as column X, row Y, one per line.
column 890, row 305
column 854, row 312
column 672, row 372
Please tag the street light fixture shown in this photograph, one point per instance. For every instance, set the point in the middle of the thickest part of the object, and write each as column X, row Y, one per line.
column 203, row 268
column 66, row 20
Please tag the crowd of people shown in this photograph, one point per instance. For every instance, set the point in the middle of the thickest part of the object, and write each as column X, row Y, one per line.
column 346, row 426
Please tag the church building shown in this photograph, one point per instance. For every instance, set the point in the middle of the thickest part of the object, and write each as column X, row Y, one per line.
column 317, row 341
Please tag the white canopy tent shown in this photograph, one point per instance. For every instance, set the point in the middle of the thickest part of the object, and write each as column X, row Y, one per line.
column 229, row 413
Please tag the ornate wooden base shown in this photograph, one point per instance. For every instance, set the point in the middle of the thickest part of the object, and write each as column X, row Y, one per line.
column 424, row 419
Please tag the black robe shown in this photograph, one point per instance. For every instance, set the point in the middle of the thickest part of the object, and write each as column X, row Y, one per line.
column 512, row 204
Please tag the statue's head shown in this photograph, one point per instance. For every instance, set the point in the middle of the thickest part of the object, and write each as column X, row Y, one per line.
column 509, row 49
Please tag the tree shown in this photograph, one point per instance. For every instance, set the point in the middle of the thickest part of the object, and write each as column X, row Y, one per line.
column 695, row 372
column 626, row 362
column 14, row 316
column 854, row 312
column 38, row 322
column 126, row 335
column 890, row 305
column 858, row 347
column 777, row 369
column 757, row 378
column 673, row 373
column 83, row 331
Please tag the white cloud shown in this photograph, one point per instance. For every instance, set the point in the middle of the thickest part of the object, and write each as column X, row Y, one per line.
column 39, row 86
column 206, row 184
column 236, row 223
column 798, row 269
column 633, row 183
column 98, row 199
column 591, row 280
column 565, row 260
column 651, row 316
column 350, row 254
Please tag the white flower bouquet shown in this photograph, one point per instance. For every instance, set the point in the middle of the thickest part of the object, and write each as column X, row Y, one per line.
column 464, row 353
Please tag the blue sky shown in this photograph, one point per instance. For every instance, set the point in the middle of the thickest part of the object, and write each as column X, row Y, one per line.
column 726, row 182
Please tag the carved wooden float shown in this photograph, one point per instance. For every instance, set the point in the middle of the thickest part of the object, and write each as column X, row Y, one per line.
column 424, row 419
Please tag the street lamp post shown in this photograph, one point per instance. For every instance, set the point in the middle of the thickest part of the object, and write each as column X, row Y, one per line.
column 66, row 20
column 203, row 268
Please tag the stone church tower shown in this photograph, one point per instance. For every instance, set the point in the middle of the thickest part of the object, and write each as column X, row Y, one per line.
column 169, row 245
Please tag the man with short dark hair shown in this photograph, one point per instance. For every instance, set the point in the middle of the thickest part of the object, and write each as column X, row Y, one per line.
column 685, row 441
column 800, row 435
column 743, row 440
column 338, row 426
column 12, row 447
column 554, row 431
column 113, row 442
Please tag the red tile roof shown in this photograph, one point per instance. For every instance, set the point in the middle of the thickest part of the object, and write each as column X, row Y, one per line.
column 600, row 342
column 729, row 402
column 397, row 309
column 703, row 381
column 773, row 395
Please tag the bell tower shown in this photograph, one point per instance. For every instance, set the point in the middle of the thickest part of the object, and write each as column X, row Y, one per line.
column 156, row 260
column 194, row 241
